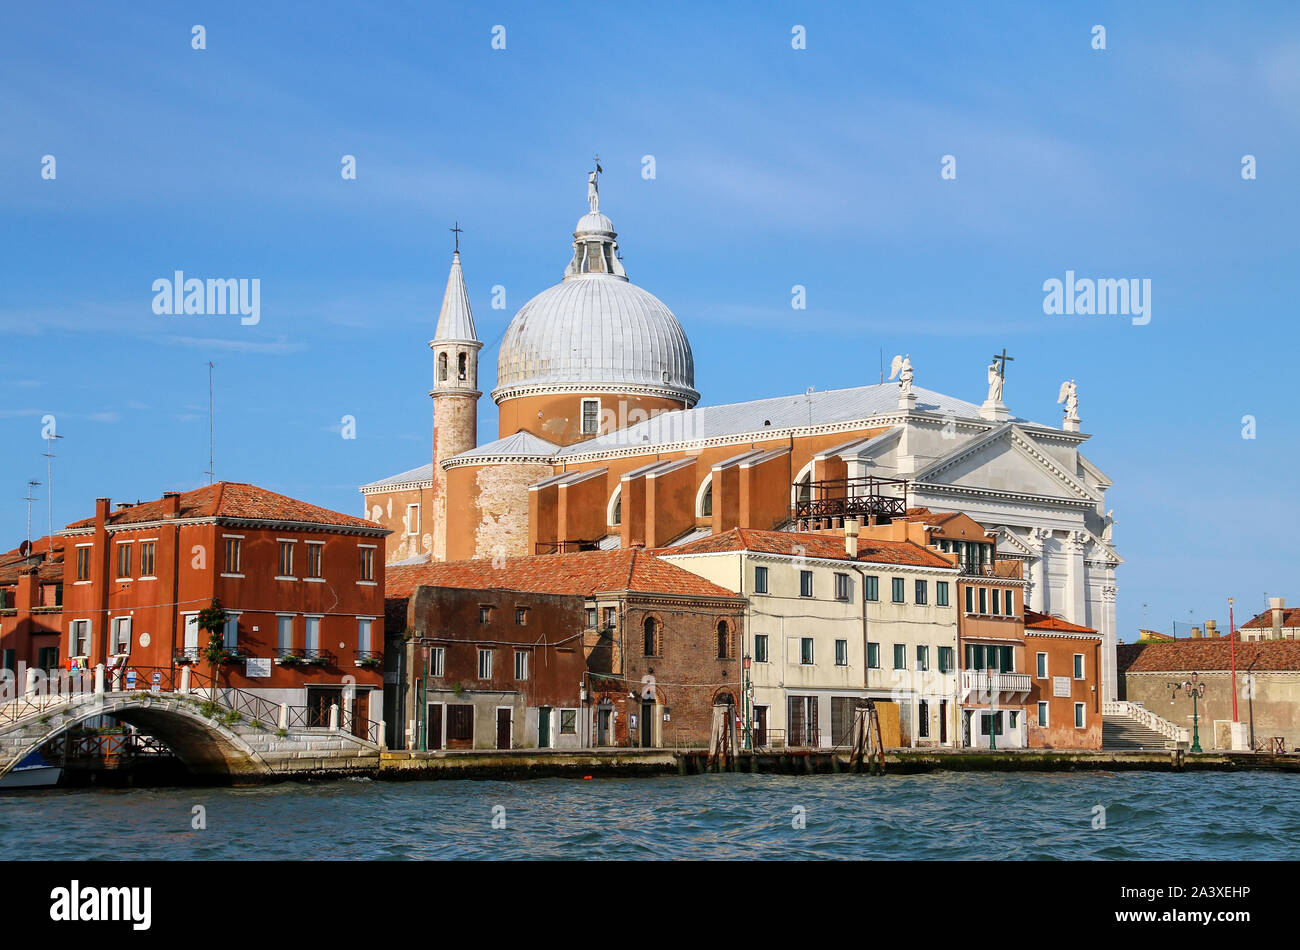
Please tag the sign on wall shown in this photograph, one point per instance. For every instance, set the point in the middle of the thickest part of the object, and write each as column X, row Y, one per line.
column 257, row 667
column 1061, row 686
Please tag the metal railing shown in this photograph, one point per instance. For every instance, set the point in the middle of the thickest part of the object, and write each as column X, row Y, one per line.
column 288, row 656
column 978, row 681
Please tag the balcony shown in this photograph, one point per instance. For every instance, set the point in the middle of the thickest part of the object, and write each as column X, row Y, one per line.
column 369, row 659
column 871, row 499
column 984, row 683
column 297, row 656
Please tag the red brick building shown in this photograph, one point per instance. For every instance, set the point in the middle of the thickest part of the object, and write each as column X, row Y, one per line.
column 595, row 648
column 31, row 599
column 302, row 585
column 1065, row 697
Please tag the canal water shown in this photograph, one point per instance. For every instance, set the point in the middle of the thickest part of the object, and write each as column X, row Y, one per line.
column 1142, row 815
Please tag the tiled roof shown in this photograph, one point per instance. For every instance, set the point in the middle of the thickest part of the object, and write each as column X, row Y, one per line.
column 523, row 444
column 233, row 500
column 422, row 474
column 1290, row 618
column 1202, row 655
column 583, row 572
column 813, row 545
column 1044, row 622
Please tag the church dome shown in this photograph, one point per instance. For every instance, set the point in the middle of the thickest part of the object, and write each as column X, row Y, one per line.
column 596, row 331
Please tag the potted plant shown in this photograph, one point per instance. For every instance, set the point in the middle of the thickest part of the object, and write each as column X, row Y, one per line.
column 290, row 659
column 370, row 662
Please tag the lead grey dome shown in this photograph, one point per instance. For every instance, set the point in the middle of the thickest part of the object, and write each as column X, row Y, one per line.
column 596, row 331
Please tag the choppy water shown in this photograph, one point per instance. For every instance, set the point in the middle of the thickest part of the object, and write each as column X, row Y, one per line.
column 966, row 816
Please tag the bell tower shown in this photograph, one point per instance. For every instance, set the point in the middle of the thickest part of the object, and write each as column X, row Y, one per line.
column 455, row 390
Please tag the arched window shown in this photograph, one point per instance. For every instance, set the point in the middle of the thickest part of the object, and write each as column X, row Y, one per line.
column 704, row 499
column 651, row 637
column 804, row 488
column 724, row 640
column 460, row 366
column 442, row 367
column 615, row 514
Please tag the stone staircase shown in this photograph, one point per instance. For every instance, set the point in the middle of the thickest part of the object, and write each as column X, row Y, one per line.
column 1126, row 733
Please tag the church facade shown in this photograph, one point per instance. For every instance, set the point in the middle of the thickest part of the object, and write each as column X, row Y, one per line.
column 602, row 445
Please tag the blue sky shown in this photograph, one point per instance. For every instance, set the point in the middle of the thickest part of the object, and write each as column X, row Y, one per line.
column 774, row 167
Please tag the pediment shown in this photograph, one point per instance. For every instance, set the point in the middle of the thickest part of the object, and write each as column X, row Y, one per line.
column 1005, row 460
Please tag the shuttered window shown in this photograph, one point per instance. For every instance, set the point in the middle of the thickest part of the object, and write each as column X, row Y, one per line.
column 460, row 722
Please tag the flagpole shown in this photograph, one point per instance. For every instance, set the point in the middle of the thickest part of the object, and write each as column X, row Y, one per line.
column 1232, row 647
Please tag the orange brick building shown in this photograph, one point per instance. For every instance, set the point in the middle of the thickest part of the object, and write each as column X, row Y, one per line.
column 302, row 585
column 1065, row 700
column 31, row 607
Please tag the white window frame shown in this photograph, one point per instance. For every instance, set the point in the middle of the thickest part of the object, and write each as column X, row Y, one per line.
column 842, row 651
column 117, row 624
column 152, row 575
column 293, row 557
column 582, row 417
column 521, row 664
column 614, row 500
column 413, row 532
column 190, row 619
column 812, row 651
column 1044, row 713
column 699, row 496
column 437, row 657
column 230, row 633
column 89, row 566
column 365, row 629
column 311, row 621
column 320, row 548
column 483, row 654
column 117, row 560
column 367, row 581
column 239, row 546
column 1080, row 668
column 281, row 644
column 74, row 640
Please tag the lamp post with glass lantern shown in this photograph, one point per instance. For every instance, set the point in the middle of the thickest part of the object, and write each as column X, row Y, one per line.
column 1195, row 689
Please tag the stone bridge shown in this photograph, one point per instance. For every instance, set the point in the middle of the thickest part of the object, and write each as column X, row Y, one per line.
column 209, row 734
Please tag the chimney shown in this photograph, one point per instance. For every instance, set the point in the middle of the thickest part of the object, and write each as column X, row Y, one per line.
column 851, row 537
column 1212, row 628
column 1277, row 604
column 123, row 505
column 1196, row 633
column 171, row 504
column 101, row 511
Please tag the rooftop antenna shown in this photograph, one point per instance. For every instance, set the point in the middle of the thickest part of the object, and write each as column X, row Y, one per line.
column 211, row 473
column 50, row 436
column 882, row 365
column 31, row 483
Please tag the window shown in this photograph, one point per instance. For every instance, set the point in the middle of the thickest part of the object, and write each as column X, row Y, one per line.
column 706, row 500
column 367, row 564
column 616, row 507
column 724, row 641
column 649, row 628
column 941, row 593
column 442, row 367
column 760, row 648
column 872, row 584
column 873, row 656
column 900, row 656
column 1013, row 715
column 946, row 658
column 997, row 600
column 284, row 634
column 230, row 635
column 1009, row 603
column 806, row 651
column 412, row 520
column 485, row 664
column 611, row 615
column 1042, row 666
column 363, row 634
column 922, row 592
column 313, row 636
column 897, row 590
column 984, row 600
column 122, row 635
column 591, row 618
column 234, row 550
column 147, row 558
column 521, row 664
column 590, row 416
column 568, row 722
column 124, row 560
column 805, row 583
column 286, row 559
column 923, row 658
column 841, row 587
column 314, row 549
column 10, row 659
column 47, row 658
column 521, row 616
column 992, row 723
column 462, row 367
column 1078, row 666
column 79, row 638
column 83, row 563
column 1078, row 716
column 484, row 614
column 841, row 652
column 1042, row 715
column 760, row 580
column 436, row 655
column 460, row 723
column 970, row 600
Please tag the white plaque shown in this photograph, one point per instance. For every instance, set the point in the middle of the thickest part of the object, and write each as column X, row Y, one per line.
column 256, row 667
column 1061, row 686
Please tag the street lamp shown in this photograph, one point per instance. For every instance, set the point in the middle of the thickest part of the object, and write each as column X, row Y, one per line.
column 1195, row 689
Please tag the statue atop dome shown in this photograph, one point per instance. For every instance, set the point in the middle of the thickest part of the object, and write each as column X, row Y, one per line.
column 593, row 188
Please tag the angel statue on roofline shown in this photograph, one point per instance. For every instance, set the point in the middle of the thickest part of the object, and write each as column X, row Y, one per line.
column 902, row 368
column 1069, row 395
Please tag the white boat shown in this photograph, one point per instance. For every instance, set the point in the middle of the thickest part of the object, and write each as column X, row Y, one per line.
column 32, row 772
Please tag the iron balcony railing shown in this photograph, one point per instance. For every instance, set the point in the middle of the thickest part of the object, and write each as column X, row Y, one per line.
column 980, row 681
column 288, row 656
column 862, row 498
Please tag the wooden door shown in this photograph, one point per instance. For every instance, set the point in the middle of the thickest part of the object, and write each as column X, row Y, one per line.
column 544, row 727
column 760, row 726
column 361, row 715
column 433, row 727
column 503, row 728
column 647, row 725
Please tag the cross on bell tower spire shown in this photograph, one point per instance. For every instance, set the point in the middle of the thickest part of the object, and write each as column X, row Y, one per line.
column 457, row 231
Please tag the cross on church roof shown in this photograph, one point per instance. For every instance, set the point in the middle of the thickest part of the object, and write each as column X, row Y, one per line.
column 1003, row 359
column 457, row 230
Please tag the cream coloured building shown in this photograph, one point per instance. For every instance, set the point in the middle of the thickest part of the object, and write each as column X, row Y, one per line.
column 826, row 628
